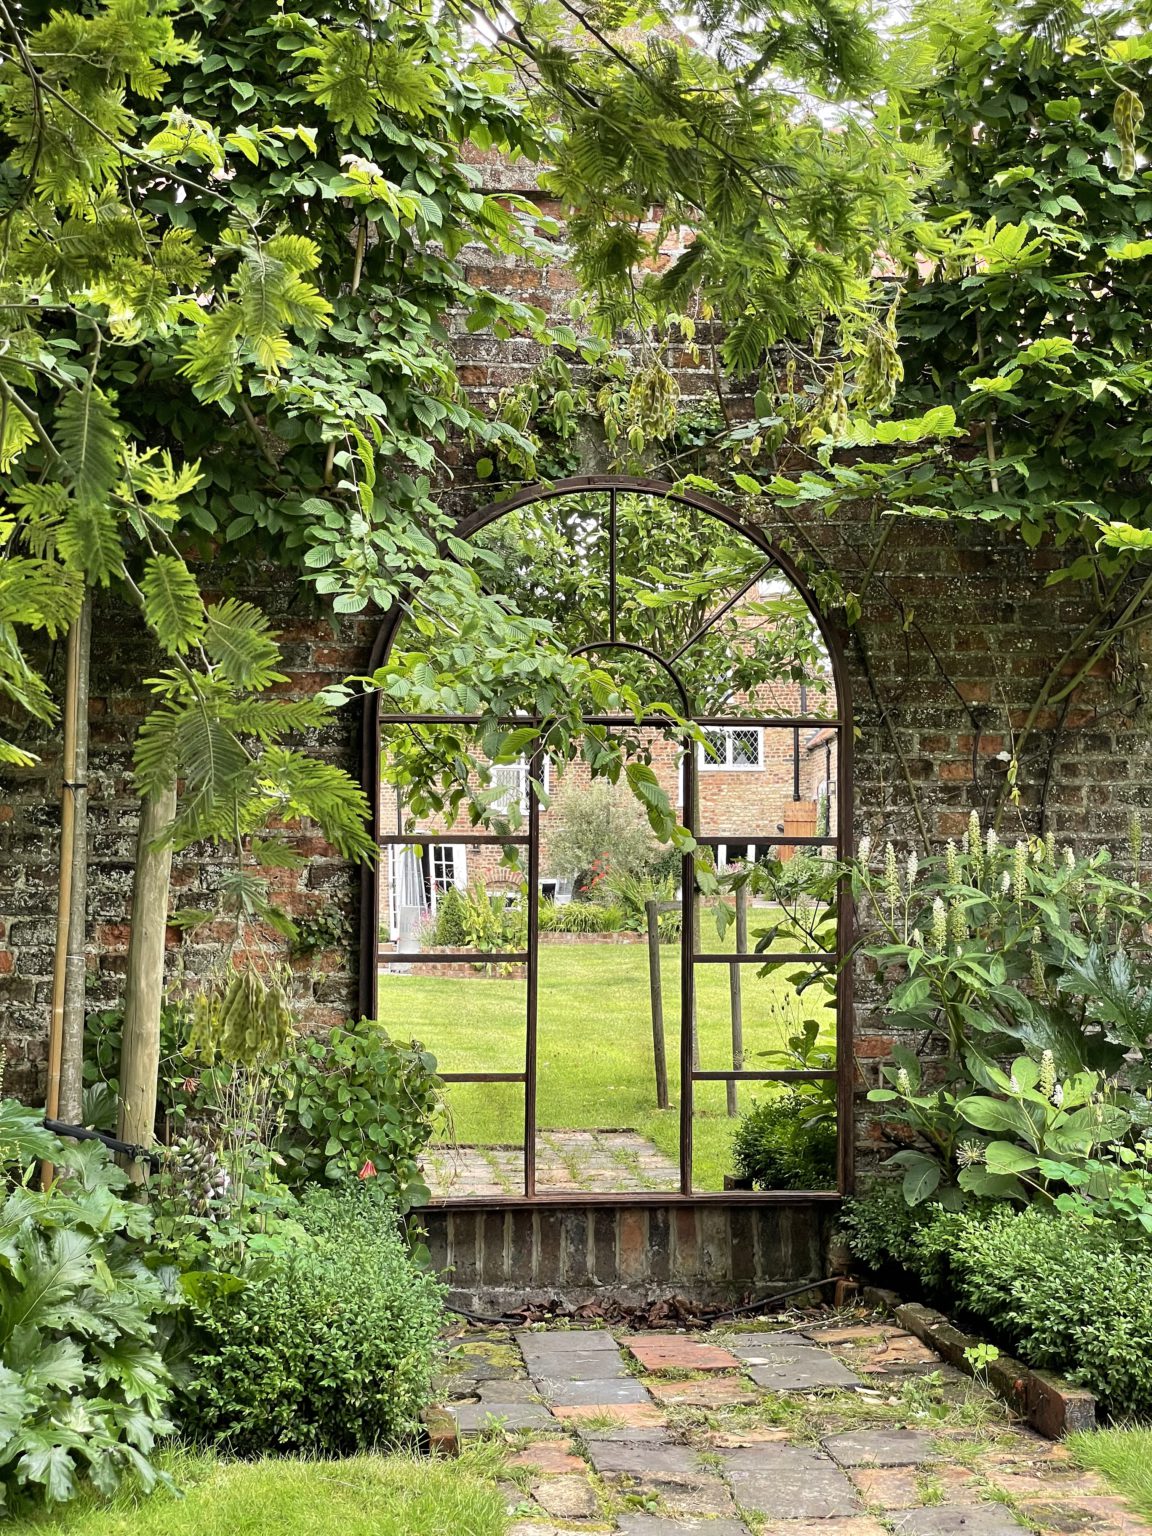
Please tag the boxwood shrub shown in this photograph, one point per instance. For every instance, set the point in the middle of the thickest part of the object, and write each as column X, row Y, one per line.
column 329, row 1353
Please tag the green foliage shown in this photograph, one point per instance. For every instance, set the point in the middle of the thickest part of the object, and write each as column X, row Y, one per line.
column 786, row 1142
column 331, row 1352
column 83, row 1390
column 356, row 1098
column 881, row 1226
column 789, row 1141
column 999, row 952
column 1066, row 1295
column 600, row 832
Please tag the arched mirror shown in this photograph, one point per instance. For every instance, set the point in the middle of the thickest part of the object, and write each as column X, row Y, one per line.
column 612, row 1018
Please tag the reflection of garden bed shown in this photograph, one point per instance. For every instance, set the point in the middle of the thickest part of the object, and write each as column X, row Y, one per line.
column 616, row 936
column 483, row 967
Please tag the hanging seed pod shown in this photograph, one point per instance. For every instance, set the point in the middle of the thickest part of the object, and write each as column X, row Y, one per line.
column 1127, row 115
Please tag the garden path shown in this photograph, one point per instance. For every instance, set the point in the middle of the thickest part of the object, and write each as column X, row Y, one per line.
column 816, row 1429
column 580, row 1162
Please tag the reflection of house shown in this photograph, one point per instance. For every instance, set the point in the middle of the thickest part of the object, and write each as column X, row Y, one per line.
column 759, row 783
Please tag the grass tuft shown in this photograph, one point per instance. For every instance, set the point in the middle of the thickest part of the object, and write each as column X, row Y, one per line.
column 1124, row 1457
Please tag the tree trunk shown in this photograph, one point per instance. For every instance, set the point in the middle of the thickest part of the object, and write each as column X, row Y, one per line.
column 65, row 1040
column 140, row 1051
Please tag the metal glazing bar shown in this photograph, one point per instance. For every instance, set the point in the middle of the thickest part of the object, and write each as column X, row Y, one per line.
column 783, row 1076
column 448, row 957
column 791, row 957
column 775, row 839
column 722, row 610
column 481, row 1077
column 456, row 839
column 531, row 1005
column 775, row 722
column 612, row 593
column 687, row 980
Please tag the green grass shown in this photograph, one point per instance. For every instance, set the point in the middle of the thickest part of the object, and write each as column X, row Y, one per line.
column 1124, row 1457
column 595, row 1064
column 363, row 1496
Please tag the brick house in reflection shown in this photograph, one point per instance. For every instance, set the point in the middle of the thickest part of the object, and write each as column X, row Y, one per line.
column 759, row 783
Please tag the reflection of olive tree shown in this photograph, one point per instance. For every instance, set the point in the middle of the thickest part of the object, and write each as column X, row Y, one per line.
column 601, row 834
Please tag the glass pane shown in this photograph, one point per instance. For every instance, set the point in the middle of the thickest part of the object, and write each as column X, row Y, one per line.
column 768, row 1136
column 763, row 784
column 472, row 1020
column 772, row 913
column 750, row 1022
column 600, row 1127
column 480, row 1149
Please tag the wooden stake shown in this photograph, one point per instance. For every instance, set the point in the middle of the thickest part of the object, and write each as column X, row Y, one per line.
column 140, row 1051
column 72, row 788
column 734, row 992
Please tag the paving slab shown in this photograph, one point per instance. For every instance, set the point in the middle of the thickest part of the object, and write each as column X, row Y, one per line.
column 719, row 1392
column 571, row 1366
column 882, row 1448
column 788, row 1482
column 674, row 1352
column 804, row 1373
column 506, row 1392
column 858, row 1525
column 957, row 1520
column 558, row 1340
column 581, row 1394
column 744, row 1344
column 548, row 1456
column 901, row 1487
column 475, row 1418
column 646, row 1463
column 568, row 1497
column 659, row 1525
column 631, row 1415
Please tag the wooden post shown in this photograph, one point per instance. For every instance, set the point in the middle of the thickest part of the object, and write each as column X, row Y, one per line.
column 734, row 990
column 140, row 1051
column 71, row 1099
column 655, row 989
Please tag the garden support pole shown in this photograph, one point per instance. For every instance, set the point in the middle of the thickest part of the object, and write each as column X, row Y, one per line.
column 71, row 1100
column 734, row 992
column 656, row 993
column 65, row 1038
column 140, row 1052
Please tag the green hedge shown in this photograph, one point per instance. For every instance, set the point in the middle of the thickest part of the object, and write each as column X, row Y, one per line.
column 1064, row 1293
column 331, row 1352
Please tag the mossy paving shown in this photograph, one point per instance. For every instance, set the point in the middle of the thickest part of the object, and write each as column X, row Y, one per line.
column 912, row 1449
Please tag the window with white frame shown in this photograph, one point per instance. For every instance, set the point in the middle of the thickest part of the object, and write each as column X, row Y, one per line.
column 733, row 747
column 517, row 778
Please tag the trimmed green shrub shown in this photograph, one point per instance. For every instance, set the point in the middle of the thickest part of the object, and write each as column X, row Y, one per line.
column 787, row 1142
column 357, row 1097
column 881, row 1226
column 329, row 1353
column 451, row 929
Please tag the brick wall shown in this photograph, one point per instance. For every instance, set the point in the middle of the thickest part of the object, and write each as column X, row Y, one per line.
column 958, row 630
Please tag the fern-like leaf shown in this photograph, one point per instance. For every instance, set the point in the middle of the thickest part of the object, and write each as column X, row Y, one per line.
column 88, row 440
column 172, row 604
column 239, row 640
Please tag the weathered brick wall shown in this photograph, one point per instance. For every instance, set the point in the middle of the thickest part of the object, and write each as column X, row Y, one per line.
column 958, row 631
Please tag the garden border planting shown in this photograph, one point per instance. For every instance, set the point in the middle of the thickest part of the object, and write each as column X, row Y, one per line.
column 1048, row 1403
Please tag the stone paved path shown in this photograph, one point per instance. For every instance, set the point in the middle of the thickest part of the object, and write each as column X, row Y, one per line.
column 608, row 1161
column 821, row 1429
